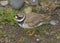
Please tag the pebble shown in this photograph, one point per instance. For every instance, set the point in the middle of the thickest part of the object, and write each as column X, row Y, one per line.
column 37, row 39
column 54, row 22
column 34, row 2
column 4, row 3
column 28, row 10
column 16, row 4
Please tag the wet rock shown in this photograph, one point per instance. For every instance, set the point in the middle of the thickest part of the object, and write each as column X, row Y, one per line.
column 16, row 4
column 4, row 3
column 34, row 2
column 54, row 22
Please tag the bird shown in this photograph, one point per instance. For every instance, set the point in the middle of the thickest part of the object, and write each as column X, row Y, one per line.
column 31, row 20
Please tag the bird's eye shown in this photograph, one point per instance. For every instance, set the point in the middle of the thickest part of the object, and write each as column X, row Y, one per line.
column 19, row 18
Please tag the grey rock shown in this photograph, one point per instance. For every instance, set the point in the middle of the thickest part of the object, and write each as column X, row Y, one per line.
column 54, row 22
column 16, row 4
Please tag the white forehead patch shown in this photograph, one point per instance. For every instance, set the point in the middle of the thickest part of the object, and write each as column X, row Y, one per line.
column 15, row 16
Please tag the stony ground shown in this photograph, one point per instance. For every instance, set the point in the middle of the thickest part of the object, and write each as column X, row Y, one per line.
column 15, row 34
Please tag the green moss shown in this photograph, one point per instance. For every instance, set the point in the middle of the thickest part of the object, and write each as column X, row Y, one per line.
column 10, row 36
column 1, row 12
column 58, row 36
column 8, row 17
column 37, row 9
column 2, row 32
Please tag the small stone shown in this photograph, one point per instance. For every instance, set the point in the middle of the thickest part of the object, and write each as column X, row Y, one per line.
column 4, row 3
column 54, row 22
column 28, row 10
column 37, row 39
column 34, row 2
column 16, row 4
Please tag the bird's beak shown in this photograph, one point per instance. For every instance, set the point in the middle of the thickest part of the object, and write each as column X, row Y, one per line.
column 14, row 19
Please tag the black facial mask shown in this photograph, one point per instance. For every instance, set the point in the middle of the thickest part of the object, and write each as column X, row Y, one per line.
column 19, row 17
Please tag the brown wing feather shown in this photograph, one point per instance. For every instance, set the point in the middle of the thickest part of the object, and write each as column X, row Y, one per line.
column 34, row 18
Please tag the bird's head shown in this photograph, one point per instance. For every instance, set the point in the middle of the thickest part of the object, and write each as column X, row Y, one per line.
column 19, row 18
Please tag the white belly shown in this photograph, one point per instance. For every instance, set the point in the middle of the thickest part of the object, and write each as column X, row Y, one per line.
column 27, row 26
